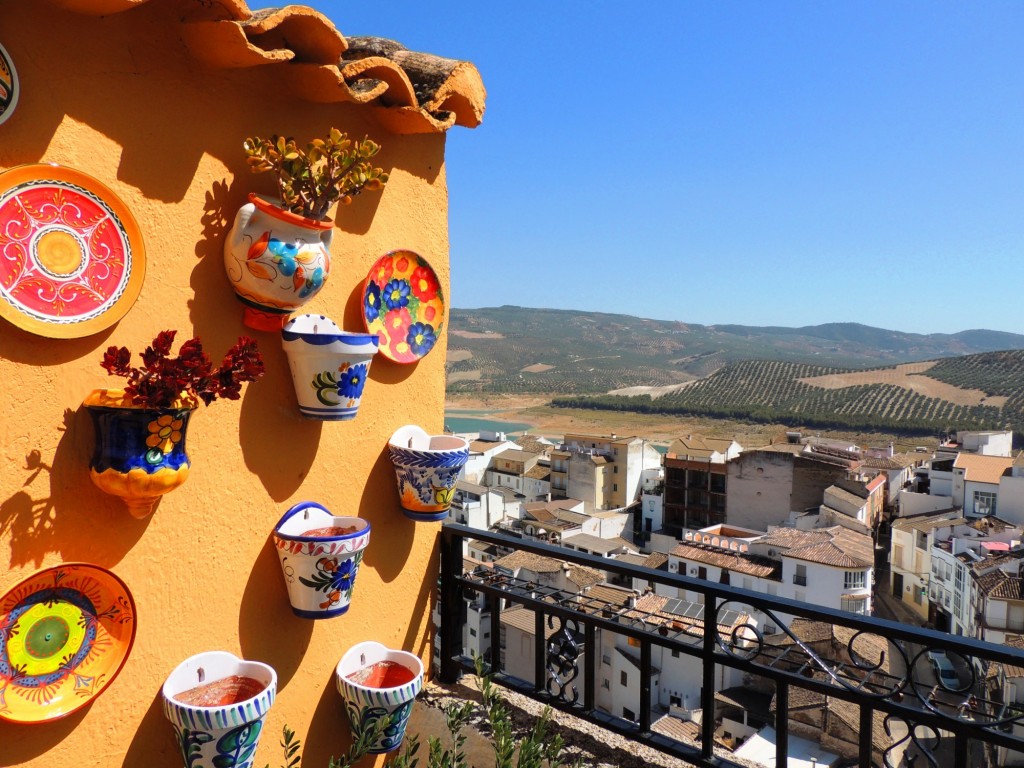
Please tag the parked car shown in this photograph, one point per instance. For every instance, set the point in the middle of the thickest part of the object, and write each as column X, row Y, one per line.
column 945, row 673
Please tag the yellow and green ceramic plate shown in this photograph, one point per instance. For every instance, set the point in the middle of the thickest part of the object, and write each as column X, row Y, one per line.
column 65, row 633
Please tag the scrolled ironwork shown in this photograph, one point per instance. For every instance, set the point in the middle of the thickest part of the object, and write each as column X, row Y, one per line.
column 562, row 660
column 910, row 742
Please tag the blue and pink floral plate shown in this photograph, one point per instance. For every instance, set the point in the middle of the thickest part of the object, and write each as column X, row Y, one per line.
column 404, row 305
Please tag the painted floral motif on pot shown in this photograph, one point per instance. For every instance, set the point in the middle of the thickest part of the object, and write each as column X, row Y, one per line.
column 320, row 555
column 139, row 453
column 365, row 703
column 329, row 366
column 426, row 469
column 276, row 261
column 226, row 733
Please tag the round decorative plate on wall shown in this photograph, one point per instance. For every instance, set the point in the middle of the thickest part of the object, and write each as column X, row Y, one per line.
column 10, row 86
column 404, row 305
column 72, row 260
column 65, row 633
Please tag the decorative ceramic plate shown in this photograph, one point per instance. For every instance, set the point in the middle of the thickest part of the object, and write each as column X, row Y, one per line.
column 71, row 255
column 65, row 632
column 10, row 87
column 404, row 305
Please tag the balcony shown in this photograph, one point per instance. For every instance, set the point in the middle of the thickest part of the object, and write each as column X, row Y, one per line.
column 800, row 581
column 897, row 709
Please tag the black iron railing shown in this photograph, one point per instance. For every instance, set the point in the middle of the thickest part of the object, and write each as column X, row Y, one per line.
column 897, row 711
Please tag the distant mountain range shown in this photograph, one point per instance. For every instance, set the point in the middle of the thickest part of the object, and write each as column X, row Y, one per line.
column 523, row 350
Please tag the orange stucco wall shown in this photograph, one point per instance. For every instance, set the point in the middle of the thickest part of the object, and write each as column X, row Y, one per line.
column 121, row 99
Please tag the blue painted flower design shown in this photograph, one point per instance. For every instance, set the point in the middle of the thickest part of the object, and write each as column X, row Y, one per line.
column 352, row 380
column 396, row 294
column 371, row 301
column 313, row 283
column 421, row 338
column 283, row 255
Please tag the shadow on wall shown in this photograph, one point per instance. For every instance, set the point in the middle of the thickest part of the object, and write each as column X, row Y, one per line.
column 18, row 750
column 154, row 742
column 39, row 524
column 265, row 604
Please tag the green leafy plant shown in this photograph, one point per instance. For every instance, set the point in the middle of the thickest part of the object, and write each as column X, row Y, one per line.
column 536, row 749
column 311, row 180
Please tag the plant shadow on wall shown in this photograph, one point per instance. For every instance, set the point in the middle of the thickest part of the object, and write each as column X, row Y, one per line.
column 278, row 445
column 75, row 518
column 265, row 604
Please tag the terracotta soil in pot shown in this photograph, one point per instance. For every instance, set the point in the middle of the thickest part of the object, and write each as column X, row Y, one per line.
column 383, row 674
column 219, row 693
column 331, row 530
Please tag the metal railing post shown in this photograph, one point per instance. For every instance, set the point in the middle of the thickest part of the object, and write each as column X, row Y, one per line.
column 451, row 607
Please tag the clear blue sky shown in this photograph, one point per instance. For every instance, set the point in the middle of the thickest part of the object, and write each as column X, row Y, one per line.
column 787, row 163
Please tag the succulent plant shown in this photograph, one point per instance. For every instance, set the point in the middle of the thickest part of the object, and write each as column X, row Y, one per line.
column 311, row 180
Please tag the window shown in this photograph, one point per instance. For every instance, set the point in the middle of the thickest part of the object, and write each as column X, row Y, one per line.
column 855, row 580
column 854, row 605
column 675, row 654
column 623, row 678
column 921, row 540
column 616, row 469
column 800, row 577
column 472, row 632
column 984, row 503
column 628, row 713
column 702, row 572
column 770, row 629
column 605, row 685
column 675, row 701
column 615, row 486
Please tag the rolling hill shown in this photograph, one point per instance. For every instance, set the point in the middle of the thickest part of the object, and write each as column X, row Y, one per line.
column 549, row 351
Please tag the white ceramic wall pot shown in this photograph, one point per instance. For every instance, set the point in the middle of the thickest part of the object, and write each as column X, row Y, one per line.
column 329, row 366
column 216, row 703
column 320, row 555
column 427, row 467
column 276, row 261
column 376, row 681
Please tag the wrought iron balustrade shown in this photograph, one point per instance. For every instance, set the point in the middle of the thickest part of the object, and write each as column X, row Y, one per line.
column 902, row 714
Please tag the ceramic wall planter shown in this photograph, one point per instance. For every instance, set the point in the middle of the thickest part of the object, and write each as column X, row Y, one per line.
column 377, row 682
column 426, row 468
column 276, row 261
column 329, row 366
column 216, row 703
column 320, row 555
column 139, row 453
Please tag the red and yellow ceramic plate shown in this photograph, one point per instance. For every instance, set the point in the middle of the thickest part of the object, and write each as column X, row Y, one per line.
column 404, row 305
column 65, row 633
column 72, row 260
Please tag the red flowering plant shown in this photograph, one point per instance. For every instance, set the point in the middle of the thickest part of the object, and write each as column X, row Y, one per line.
column 165, row 382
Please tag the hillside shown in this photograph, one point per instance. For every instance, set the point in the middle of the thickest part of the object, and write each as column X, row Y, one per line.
column 980, row 391
column 549, row 351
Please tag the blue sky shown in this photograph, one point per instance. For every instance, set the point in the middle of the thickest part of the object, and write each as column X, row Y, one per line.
column 735, row 162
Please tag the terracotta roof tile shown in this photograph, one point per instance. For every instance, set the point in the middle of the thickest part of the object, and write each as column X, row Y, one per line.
column 411, row 92
column 753, row 565
column 582, row 576
column 530, row 561
column 982, row 469
column 656, row 560
column 685, row 731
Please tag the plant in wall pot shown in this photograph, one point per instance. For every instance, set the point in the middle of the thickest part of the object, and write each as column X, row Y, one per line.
column 276, row 254
column 139, row 453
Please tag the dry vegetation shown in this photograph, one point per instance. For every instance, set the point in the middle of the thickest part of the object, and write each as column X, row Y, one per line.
column 904, row 376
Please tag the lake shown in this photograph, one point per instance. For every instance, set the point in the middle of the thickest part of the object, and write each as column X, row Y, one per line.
column 466, row 421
